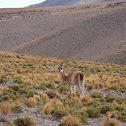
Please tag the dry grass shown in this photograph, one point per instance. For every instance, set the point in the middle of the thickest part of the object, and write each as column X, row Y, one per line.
column 5, row 108
column 101, row 85
column 110, row 122
column 37, row 97
column 106, row 121
column 32, row 102
column 101, row 92
column 57, row 93
column 3, row 89
column 90, row 86
column 84, row 109
column 115, row 87
column 73, row 96
column 85, row 99
column 9, row 78
column 72, row 120
column 17, row 102
column 47, row 109
column 114, row 103
column 28, row 82
column 116, row 122
column 44, row 97
column 124, row 86
column 56, row 103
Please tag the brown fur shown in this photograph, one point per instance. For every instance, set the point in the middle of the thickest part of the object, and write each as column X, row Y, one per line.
column 73, row 79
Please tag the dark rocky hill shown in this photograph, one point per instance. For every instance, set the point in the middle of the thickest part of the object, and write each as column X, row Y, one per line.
column 66, row 2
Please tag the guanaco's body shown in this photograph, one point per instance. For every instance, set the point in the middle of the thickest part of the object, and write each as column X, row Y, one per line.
column 74, row 79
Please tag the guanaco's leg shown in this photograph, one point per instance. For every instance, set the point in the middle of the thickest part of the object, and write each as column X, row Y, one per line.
column 82, row 85
column 79, row 89
column 71, row 88
column 74, row 88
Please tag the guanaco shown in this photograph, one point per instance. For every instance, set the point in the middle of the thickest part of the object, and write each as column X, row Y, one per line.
column 74, row 79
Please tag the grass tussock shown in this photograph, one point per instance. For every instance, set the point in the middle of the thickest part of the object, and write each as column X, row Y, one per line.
column 32, row 102
column 73, row 96
column 90, row 86
column 85, row 99
column 110, row 122
column 114, row 103
column 5, row 108
column 115, row 87
column 44, row 97
column 37, row 97
column 56, row 103
column 47, row 108
column 70, row 121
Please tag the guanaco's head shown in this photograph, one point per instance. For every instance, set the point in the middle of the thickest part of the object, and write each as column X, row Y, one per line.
column 60, row 69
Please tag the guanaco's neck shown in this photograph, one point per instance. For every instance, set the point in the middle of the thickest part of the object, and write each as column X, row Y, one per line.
column 63, row 76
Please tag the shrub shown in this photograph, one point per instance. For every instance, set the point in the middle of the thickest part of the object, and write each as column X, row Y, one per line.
column 106, row 107
column 93, row 112
column 70, row 103
column 17, row 109
column 70, row 121
column 59, row 113
column 96, row 95
column 23, row 121
column 82, row 115
column 94, row 103
column 63, row 88
column 32, row 102
column 47, row 109
column 2, row 80
column 31, row 93
column 5, row 108
column 73, row 96
column 110, row 97
column 122, row 116
column 4, row 98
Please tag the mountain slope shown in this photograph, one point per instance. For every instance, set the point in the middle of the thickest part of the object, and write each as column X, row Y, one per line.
column 92, row 32
column 88, row 40
column 66, row 2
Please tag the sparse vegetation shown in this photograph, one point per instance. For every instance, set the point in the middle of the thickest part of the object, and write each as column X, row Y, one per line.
column 24, row 121
column 36, row 74
column 17, row 109
column 70, row 121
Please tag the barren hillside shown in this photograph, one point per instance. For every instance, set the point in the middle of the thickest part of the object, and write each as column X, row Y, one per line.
column 92, row 32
